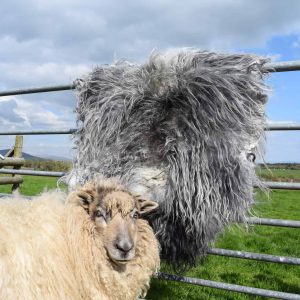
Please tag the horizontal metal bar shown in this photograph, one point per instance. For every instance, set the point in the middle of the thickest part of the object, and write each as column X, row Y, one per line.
column 284, row 66
column 273, row 185
column 271, row 127
column 282, row 185
column 274, row 222
column 32, row 172
column 44, row 89
column 229, row 287
column 272, row 67
column 277, row 127
column 37, row 132
column 255, row 256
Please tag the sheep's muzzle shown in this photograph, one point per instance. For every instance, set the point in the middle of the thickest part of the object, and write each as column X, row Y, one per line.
column 121, row 235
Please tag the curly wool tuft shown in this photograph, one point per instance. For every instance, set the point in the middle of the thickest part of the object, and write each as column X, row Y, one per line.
column 177, row 129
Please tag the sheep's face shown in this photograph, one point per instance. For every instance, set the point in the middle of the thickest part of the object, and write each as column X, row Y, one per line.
column 115, row 213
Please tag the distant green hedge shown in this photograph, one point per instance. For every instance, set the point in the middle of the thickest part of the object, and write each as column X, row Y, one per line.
column 48, row 165
column 285, row 166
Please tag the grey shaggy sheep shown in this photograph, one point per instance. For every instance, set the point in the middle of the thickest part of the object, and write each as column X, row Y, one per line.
column 180, row 129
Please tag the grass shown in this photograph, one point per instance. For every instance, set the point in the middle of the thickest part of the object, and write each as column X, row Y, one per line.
column 279, row 174
column 32, row 185
column 261, row 239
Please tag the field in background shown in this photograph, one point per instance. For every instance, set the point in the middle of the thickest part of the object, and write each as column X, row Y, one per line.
column 279, row 174
column 48, row 165
column 32, row 185
column 261, row 239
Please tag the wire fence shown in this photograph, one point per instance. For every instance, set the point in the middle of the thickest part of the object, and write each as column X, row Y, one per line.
column 274, row 67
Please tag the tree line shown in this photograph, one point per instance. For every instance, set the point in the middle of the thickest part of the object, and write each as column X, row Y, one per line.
column 48, row 165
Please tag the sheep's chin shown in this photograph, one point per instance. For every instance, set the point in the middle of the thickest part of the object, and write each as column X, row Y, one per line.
column 119, row 261
column 115, row 258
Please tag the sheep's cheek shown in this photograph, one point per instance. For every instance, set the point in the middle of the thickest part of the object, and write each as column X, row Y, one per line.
column 132, row 228
column 101, row 224
column 111, row 231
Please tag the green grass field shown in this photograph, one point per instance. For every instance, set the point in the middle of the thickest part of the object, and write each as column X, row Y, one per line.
column 279, row 174
column 261, row 239
column 32, row 185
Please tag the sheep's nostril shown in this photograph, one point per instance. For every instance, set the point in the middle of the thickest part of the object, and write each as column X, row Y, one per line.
column 124, row 246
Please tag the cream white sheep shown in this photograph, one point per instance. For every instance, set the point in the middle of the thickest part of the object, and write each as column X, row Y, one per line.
column 92, row 245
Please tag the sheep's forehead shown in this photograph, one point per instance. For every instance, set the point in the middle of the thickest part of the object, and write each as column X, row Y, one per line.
column 118, row 202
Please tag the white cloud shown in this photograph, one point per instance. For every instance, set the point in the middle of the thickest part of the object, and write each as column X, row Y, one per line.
column 92, row 31
column 60, row 146
column 21, row 114
column 36, row 116
column 30, row 74
column 44, row 42
column 52, row 41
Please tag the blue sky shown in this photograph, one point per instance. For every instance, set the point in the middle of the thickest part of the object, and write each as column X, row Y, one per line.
column 284, row 103
column 44, row 42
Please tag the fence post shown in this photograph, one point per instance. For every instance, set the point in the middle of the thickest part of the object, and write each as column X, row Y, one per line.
column 17, row 153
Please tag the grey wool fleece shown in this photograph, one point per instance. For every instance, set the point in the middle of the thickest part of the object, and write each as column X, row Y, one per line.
column 178, row 129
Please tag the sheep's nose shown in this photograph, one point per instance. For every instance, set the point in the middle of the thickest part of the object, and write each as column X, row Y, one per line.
column 124, row 245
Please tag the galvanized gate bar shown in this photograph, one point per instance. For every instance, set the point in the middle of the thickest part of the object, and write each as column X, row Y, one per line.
column 272, row 185
column 31, row 172
column 277, row 127
column 274, row 222
column 284, row 66
column 230, row 287
column 255, row 256
column 282, row 185
column 43, row 89
column 270, row 127
column 272, row 67
column 37, row 132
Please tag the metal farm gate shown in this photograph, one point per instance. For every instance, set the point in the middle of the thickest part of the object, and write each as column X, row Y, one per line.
column 274, row 67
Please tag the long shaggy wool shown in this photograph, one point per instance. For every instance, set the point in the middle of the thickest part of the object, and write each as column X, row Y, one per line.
column 51, row 251
column 178, row 129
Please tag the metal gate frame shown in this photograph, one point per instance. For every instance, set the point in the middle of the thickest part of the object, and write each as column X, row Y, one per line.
column 273, row 67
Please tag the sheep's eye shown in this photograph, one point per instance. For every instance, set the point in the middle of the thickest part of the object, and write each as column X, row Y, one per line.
column 251, row 156
column 99, row 214
column 135, row 215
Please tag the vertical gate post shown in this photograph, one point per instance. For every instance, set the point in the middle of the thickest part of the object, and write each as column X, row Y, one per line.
column 17, row 153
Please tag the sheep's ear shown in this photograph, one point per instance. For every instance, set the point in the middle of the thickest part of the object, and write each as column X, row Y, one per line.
column 146, row 206
column 83, row 197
